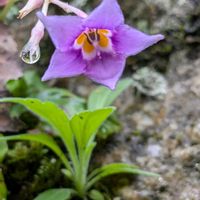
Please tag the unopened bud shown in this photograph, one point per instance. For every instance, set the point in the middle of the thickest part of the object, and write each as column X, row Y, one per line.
column 29, row 7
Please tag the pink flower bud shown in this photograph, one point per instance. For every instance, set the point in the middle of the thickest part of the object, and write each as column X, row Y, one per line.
column 3, row 2
column 37, row 32
column 29, row 7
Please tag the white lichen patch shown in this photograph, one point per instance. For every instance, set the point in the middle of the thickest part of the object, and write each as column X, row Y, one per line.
column 150, row 82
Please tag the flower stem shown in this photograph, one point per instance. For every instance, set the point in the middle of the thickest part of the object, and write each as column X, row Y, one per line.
column 45, row 6
column 69, row 9
column 81, row 174
column 84, row 154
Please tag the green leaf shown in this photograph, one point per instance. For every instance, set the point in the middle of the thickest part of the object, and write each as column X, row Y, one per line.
column 96, row 195
column 102, row 96
column 85, row 157
column 3, row 149
column 17, row 87
column 53, row 115
column 56, row 95
column 33, row 81
column 74, row 105
column 30, row 85
column 43, row 139
column 3, row 188
column 55, row 194
column 47, row 111
column 110, row 126
column 85, row 124
column 115, row 168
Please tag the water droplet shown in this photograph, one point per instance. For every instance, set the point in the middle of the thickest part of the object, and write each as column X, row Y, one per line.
column 30, row 54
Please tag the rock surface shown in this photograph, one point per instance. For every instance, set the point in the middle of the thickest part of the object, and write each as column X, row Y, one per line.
column 163, row 136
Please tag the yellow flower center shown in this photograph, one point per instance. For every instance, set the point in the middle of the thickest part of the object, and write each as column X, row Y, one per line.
column 94, row 41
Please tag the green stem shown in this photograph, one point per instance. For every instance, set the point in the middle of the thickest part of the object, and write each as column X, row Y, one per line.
column 6, row 9
column 81, row 174
column 81, row 177
column 70, row 146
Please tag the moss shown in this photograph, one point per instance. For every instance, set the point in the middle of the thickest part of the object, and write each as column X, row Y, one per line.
column 29, row 169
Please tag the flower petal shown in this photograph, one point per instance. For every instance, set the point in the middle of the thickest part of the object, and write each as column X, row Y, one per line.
column 106, row 70
column 64, row 64
column 130, row 41
column 107, row 15
column 62, row 29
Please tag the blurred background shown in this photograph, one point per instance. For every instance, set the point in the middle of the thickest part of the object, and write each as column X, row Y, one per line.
column 157, row 124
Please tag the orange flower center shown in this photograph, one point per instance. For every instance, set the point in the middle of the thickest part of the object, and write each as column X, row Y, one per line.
column 94, row 41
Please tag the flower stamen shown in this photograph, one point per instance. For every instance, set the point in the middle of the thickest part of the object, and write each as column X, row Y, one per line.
column 94, row 41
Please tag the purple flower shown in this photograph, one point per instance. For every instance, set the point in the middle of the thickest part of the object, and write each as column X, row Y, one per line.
column 96, row 46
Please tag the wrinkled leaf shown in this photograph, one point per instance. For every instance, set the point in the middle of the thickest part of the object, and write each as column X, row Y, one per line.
column 55, row 194
column 102, row 96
